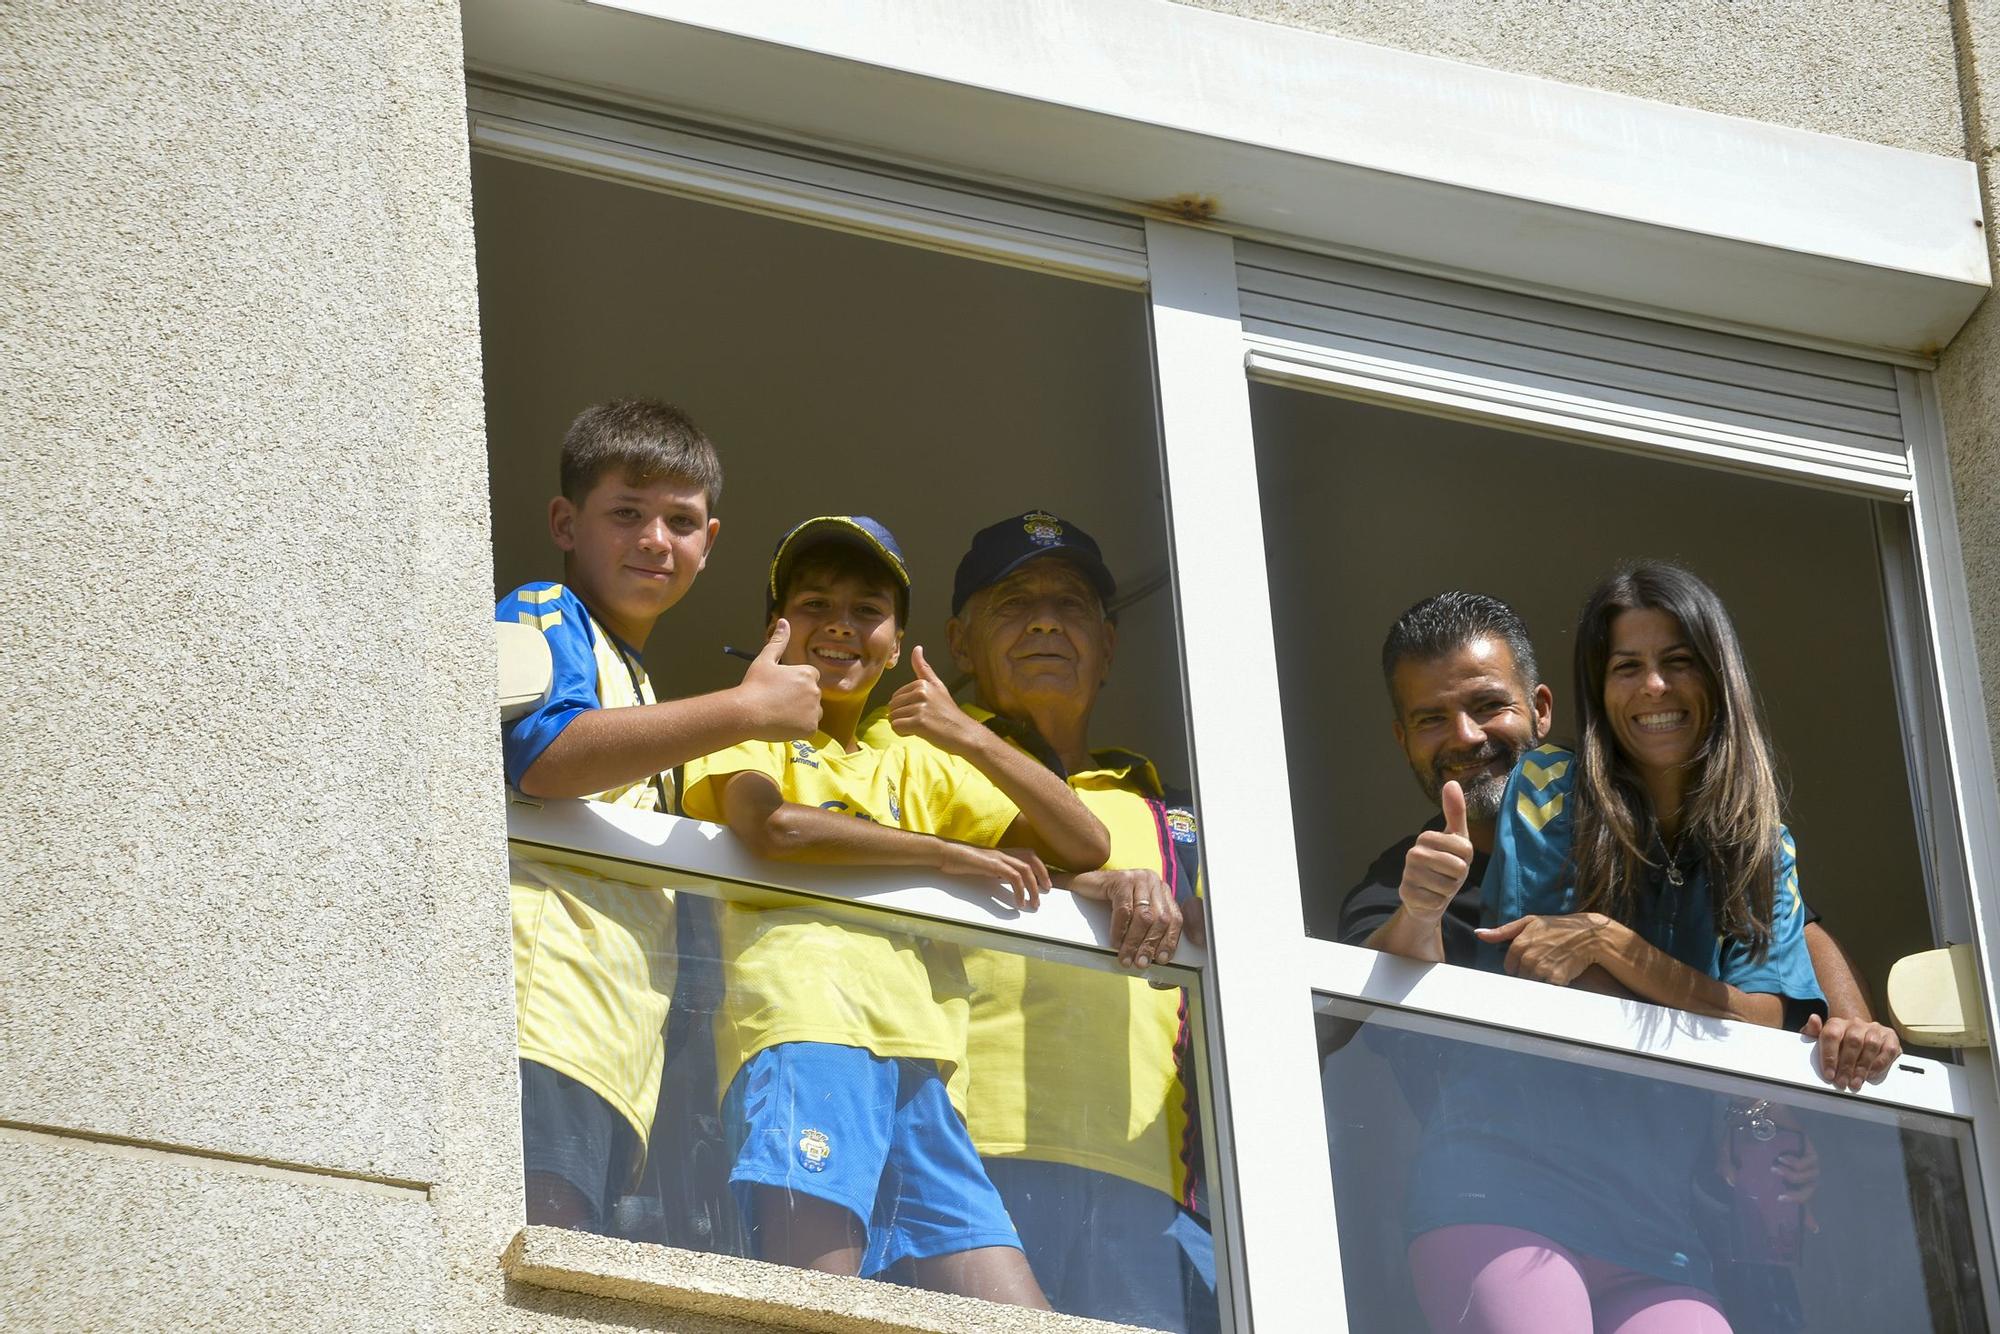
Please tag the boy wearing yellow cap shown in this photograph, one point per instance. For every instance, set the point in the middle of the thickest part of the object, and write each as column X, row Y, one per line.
column 836, row 1038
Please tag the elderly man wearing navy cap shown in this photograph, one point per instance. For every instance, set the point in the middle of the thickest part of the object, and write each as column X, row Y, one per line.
column 1076, row 1098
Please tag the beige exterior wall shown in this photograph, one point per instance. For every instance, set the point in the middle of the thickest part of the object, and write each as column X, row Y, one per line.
column 1969, row 371
column 1881, row 70
column 255, row 1049
column 254, row 825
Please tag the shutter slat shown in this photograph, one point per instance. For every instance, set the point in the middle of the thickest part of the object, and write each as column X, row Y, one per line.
column 1808, row 404
column 896, row 204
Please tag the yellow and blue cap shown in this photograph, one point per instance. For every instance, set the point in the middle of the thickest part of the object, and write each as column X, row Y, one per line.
column 856, row 530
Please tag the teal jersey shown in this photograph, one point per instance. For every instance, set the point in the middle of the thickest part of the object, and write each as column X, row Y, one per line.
column 1531, row 875
column 1596, row 1159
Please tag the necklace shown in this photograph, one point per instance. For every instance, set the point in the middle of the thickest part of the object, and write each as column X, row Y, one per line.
column 1669, row 858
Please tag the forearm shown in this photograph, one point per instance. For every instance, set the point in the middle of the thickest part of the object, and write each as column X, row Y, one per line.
column 1063, row 830
column 1651, row 975
column 1597, row 980
column 1845, row 996
column 799, row 833
column 607, row 748
column 1409, row 935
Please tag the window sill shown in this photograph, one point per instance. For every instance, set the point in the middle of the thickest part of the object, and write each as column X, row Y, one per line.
column 727, row 1287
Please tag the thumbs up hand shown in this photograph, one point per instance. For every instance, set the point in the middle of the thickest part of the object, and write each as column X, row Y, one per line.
column 1437, row 865
column 924, row 708
column 1452, row 799
column 780, row 699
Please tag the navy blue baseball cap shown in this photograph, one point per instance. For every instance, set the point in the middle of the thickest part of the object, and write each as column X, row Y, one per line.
column 1006, row 546
column 856, row 530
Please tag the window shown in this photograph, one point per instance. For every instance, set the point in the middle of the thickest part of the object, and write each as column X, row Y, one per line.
column 1782, row 477
column 1537, row 522
column 841, row 374
column 836, row 365
column 1892, row 1241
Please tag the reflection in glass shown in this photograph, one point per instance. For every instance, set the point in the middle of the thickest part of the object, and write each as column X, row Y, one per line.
column 1075, row 1091
column 1782, row 1209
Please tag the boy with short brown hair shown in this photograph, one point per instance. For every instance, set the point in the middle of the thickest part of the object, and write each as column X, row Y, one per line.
column 594, row 959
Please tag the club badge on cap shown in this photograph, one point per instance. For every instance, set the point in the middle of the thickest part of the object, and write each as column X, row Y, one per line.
column 999, row 549
column 1043, row 528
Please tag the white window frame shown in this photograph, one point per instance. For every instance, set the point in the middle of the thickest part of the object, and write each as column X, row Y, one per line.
column 1210, row 454
column 1273, row 1194
column 616, row 840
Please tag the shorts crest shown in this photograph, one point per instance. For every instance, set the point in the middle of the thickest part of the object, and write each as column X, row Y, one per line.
column 814, row 1150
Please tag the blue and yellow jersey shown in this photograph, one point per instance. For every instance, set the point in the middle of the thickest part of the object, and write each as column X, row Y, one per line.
column 1531, row 874
column 594, row 959
column 590, row 668
column 807, row 975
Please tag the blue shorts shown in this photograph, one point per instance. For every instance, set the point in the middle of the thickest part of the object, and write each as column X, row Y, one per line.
column 878, row 1137
column 1109, row 1248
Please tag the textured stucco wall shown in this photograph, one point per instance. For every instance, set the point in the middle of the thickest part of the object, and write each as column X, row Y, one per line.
column 1969, row 370
column 1969, row 388
column 1880, row 70
column 100, row 1238
column 252, row 806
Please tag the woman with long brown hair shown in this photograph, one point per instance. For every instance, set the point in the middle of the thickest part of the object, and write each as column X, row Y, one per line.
column 1551, row 1197
column 1670, row 807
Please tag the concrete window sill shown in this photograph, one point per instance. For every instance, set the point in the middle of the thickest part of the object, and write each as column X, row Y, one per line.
column 730, row 1288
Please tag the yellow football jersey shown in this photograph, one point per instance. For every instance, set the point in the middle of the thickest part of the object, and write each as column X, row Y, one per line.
column 594, row 959
column 1066, row 1064
column 800, row 975
column 1072, row 1065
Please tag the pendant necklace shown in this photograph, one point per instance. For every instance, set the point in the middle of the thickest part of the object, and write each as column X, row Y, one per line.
column 1669, row 858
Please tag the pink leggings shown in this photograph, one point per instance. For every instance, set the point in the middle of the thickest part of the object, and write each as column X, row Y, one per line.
column 1480, row 1278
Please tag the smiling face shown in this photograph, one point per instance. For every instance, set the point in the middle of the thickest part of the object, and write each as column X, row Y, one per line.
column 1657, row 696
column 1467, row 717
column 843, row 619
column 631, row 550
column 1035, row 640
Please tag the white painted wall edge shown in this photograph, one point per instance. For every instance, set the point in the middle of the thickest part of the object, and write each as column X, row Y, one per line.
column 1521, row 181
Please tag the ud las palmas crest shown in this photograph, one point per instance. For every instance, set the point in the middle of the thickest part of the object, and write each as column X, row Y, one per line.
column 1043, row 528
column 814, row 1149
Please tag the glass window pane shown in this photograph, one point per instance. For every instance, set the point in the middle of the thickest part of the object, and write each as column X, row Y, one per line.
column 1560, row 1175
column 1039, row 1106
column 1536, row 523
column 940, row 395
column 836, row 374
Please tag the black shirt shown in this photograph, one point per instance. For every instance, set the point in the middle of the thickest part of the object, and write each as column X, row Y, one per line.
column 1372, row 902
